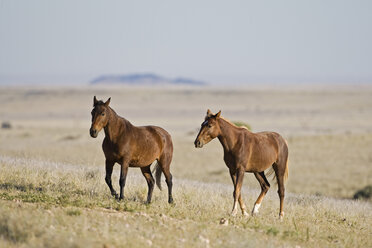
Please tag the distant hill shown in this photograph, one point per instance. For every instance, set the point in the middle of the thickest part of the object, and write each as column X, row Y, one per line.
column 143, row 78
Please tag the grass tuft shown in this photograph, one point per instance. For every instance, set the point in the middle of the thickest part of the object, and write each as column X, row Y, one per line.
column 73, row 212
column 242, row 124
column 365, row 193
column 272, row 231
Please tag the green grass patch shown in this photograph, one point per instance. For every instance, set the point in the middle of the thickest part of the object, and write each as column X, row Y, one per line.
column 272, row 231
column 73, row 212
column 242, row 124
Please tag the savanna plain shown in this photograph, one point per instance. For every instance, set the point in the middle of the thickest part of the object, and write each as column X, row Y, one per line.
column 53, row 192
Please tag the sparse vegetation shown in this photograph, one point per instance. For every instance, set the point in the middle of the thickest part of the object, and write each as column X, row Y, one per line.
column 365, row 193
column 71, row 137
column 39, row 201
column 6, row 125
column 242, row 124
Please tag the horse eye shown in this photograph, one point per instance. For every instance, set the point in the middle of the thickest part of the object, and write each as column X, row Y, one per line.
column 209, row 125
column 103, row 114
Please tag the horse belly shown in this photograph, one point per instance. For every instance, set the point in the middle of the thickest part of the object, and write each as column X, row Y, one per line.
column 143, row 158
column 261, row 160
column 258, row 167
column 140, row 162
column 149, row 148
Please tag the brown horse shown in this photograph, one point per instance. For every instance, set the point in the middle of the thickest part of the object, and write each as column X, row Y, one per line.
column 245, row 151
column 132, row 146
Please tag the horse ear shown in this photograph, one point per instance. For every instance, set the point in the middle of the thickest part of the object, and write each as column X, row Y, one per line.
column 94, row 101
column 218, row 114
column 107, row 102
column 209, row 113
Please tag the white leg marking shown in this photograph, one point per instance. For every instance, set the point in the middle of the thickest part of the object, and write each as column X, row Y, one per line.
column 255, row 208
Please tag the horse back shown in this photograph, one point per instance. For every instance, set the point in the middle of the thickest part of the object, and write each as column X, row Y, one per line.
column 157, row 135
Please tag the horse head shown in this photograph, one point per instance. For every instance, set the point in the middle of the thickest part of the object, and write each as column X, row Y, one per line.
column 209, row 129
column 100, row 116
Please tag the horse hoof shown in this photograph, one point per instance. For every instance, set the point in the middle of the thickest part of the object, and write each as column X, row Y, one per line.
column 255, row 212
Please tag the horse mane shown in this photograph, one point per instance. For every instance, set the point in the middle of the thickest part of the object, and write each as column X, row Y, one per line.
column 115, row 112
column 232, row 124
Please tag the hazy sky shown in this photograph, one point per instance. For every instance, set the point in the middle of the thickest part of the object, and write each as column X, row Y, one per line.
column 215, row 41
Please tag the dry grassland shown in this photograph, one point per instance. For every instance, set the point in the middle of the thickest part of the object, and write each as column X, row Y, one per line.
column 53, row 193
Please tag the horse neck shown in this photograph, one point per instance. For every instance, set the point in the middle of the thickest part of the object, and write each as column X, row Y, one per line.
column 115, row 125
column 228, row 135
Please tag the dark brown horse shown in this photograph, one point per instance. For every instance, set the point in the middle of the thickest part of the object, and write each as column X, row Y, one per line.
column 132, row 146
column 245, row 151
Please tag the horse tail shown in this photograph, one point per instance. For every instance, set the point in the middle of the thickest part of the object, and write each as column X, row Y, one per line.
column 286, row 171
column 158, row 171
column 271, row 172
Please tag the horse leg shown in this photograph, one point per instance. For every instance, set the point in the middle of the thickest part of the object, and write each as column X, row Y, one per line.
column 237, row 195
column 150, row 181
column 164, row 162
column 242, row 205
column 265, row 185
column 233, row 178
column 123, row 177
column 109, row 167
column 279, row 172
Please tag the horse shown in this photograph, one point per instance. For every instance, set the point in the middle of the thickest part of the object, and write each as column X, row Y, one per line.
column 132, row 146
column 245, row 151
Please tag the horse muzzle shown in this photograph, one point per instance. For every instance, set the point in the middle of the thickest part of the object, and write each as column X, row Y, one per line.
column 198, row 144
column 93, row 132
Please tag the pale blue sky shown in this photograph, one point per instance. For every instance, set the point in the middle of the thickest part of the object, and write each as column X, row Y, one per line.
column 216, row 41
